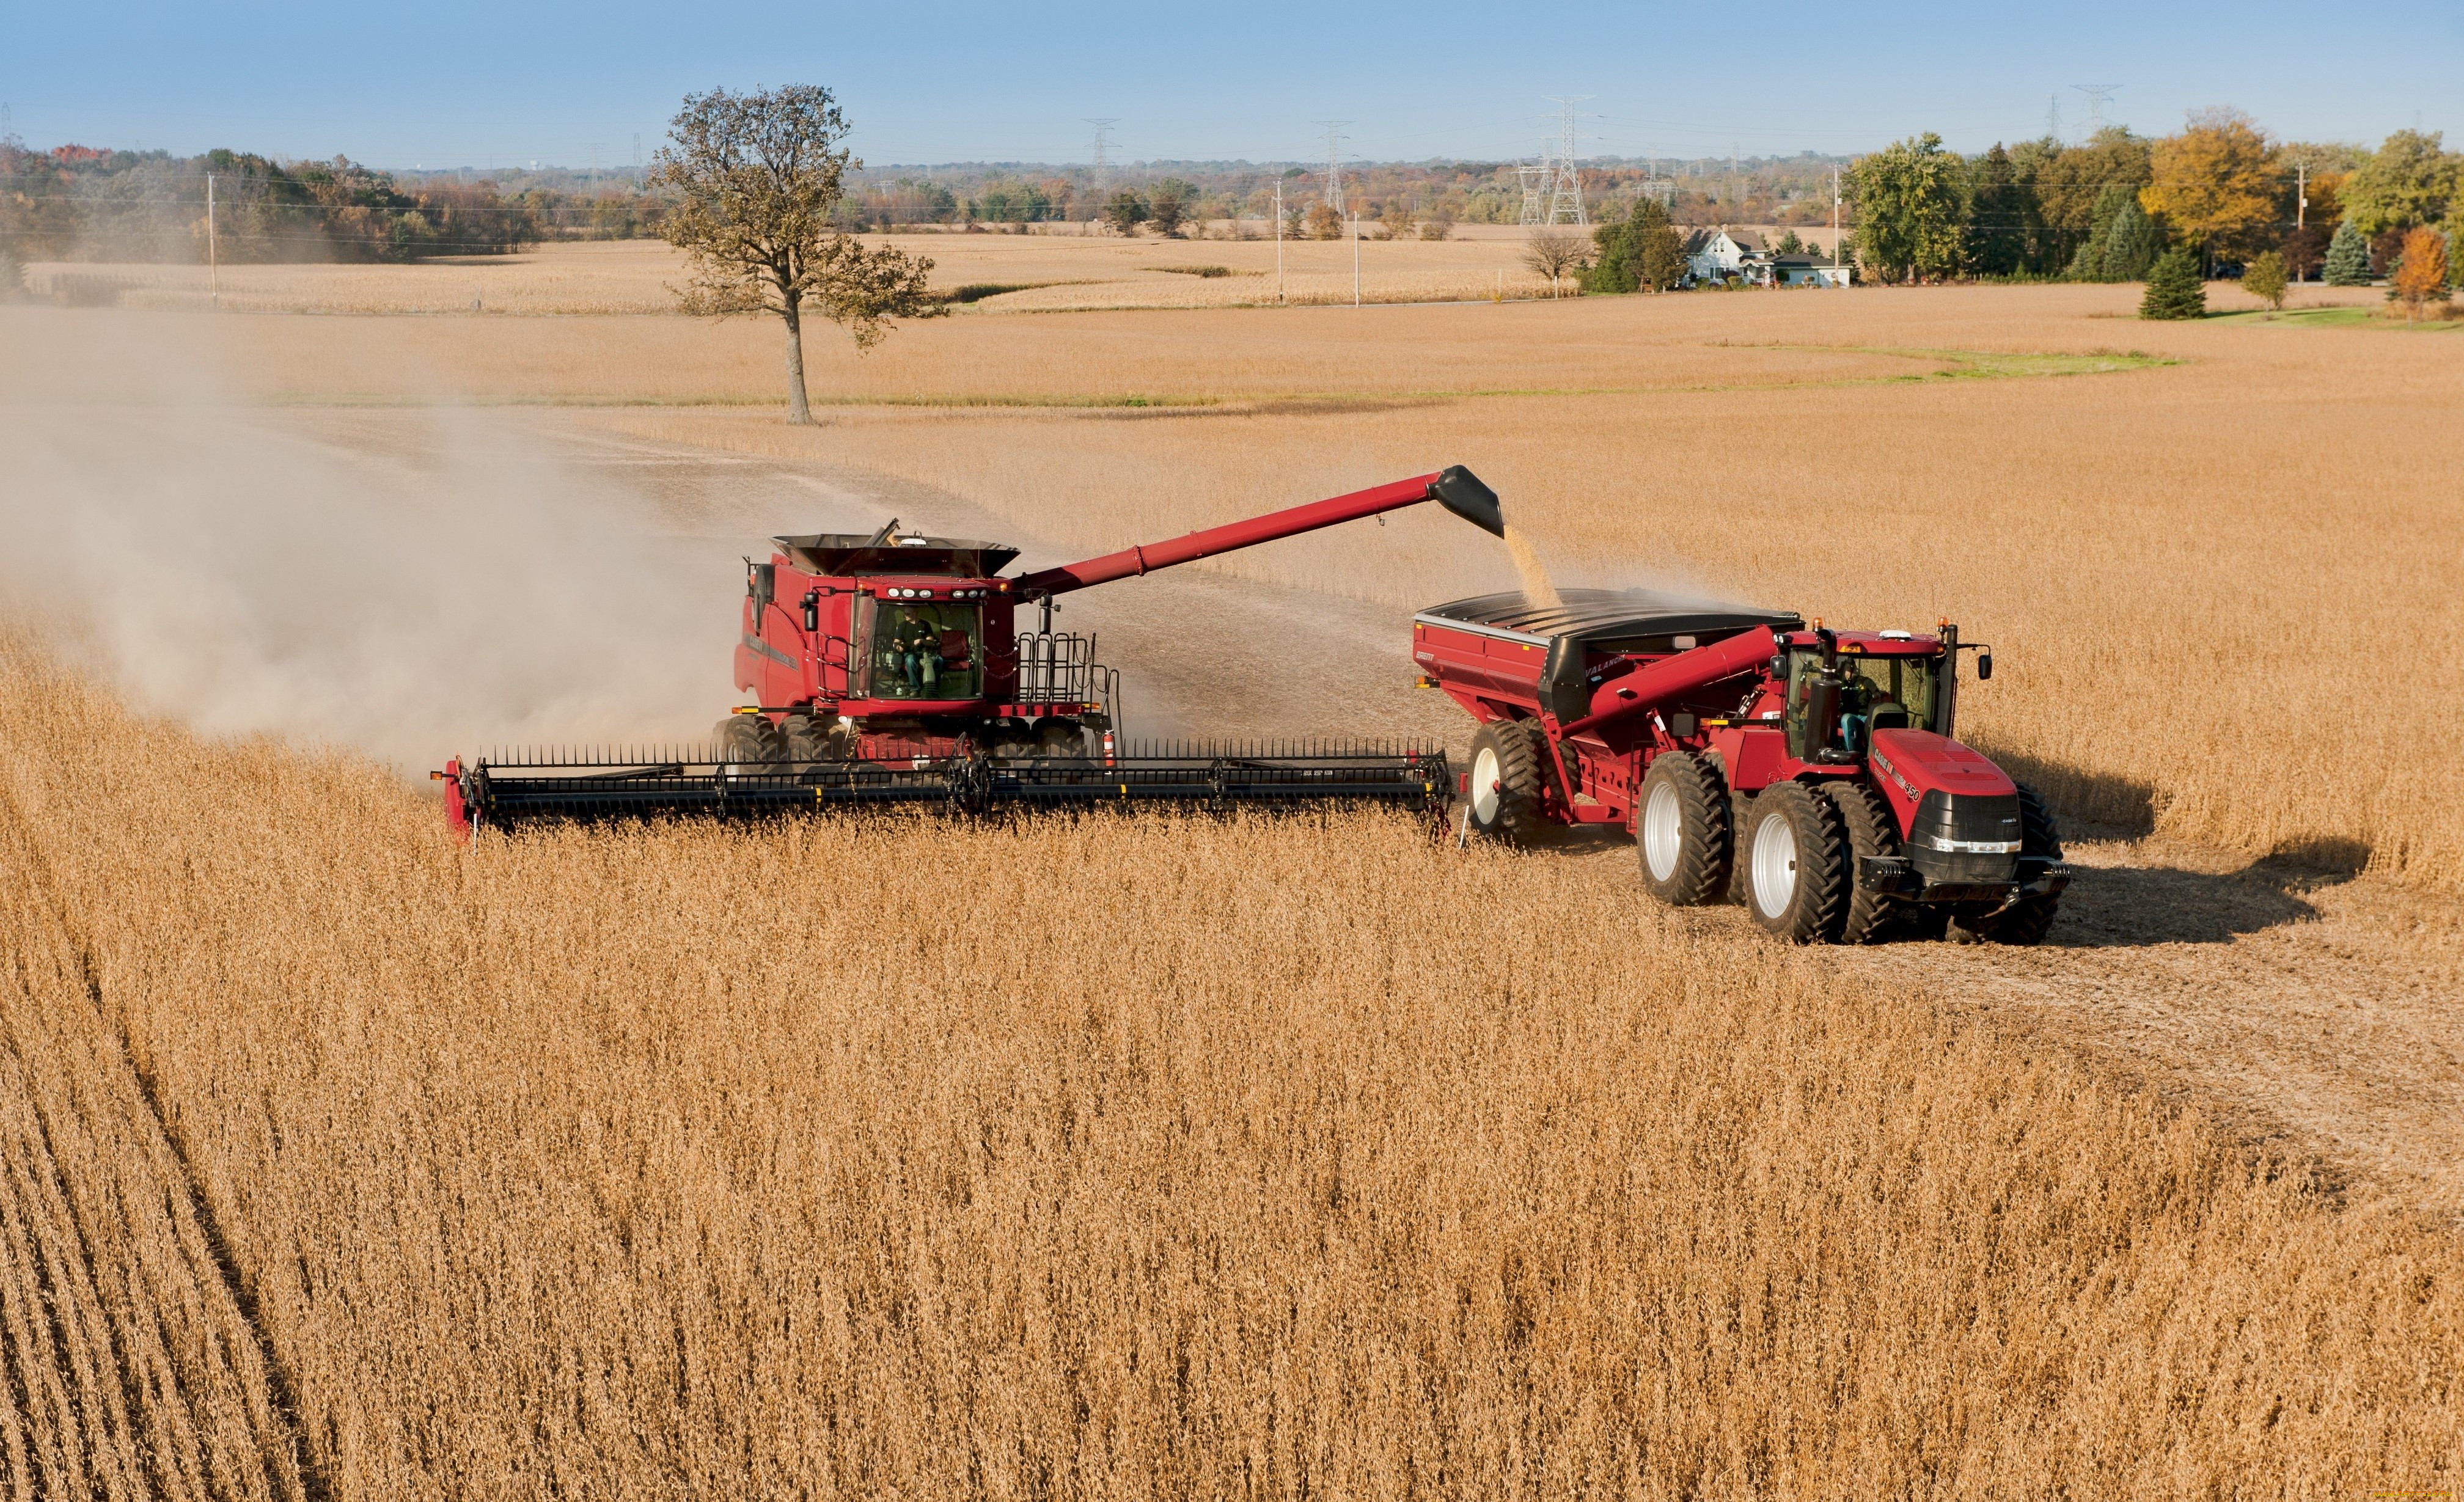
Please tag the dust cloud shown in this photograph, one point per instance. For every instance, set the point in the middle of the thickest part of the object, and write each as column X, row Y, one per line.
column 435, row 584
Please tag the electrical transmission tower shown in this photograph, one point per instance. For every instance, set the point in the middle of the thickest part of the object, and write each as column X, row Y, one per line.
column 2099, row 96
column 1334, row 162
column 1535, row 179
column 1102, row 144
column 2054, row 117
column 1565, row 191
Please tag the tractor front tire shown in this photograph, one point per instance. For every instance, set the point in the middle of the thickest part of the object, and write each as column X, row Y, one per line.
column 1796, row 855
column 2029, row 919
column 1872, row 917
column 1682, row 830
column 1504, row 786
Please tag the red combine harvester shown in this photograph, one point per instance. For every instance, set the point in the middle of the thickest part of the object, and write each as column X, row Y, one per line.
column 891, row 669
column 1809, row 774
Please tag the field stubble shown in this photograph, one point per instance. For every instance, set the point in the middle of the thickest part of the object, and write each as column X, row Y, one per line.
column 1109, row 1158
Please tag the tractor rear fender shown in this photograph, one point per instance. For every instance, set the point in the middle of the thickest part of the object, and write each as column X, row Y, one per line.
column 1648, row 687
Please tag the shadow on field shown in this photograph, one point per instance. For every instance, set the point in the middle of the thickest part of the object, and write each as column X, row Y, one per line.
column 2125, row 906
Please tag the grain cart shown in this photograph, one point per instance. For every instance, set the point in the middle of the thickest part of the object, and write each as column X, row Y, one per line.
column 1807, row 773
column 893, row 668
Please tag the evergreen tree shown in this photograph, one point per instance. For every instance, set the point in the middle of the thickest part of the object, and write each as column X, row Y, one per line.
column 2131, row 247
column 2088, row 264
column 2454, row 252
column 1997, row 217
column 2348, row 258
column 2174, row 290
column 1641, row 253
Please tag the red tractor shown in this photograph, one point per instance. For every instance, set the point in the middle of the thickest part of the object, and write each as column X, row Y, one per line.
column 891, row 668
column 1810, row 775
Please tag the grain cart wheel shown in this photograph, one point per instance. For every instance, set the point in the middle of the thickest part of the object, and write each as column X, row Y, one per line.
column 1796, row 853
column 1506, row 782
column 2029, row 919
column 1682, row 832
column 1871, row 917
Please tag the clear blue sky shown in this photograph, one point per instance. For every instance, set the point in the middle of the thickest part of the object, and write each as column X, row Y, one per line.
column 459, row 85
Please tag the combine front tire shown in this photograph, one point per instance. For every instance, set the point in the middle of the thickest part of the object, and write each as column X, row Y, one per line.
column 1796, row 858
column 1871, row 916
column 747, row 743
column 1504, row 787
column 1683, row 830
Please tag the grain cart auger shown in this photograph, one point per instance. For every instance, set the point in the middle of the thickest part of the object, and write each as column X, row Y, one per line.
column 893, row 669
column 1810, row 775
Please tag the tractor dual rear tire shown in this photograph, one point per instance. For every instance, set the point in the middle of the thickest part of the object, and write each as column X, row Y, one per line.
column 1796, row 851
column 1682, row 830
column 1506, row 781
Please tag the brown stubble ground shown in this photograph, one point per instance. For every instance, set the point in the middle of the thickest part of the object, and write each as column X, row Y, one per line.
column 1334, row 1157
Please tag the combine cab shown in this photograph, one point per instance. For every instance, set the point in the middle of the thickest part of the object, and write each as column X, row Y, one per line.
column 1809, row 774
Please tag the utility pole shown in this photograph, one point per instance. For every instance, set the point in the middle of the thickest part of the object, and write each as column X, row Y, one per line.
column 1334, row 163
column 2301, row 205
column 1355, row 258
column 213, row 250
column 1565, row 193
column 1279, row 242
column 1835, row 218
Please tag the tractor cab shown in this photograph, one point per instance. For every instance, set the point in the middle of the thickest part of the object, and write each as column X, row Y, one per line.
column 1837, row 687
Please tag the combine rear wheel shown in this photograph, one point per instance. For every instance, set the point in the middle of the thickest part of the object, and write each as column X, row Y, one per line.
column 1506, row 781
column 1871, row 916
column 2029, row 918
column 1796, row 858
column 1683, row 830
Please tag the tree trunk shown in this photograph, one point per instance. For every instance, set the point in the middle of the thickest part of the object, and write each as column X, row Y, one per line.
column 800, row 413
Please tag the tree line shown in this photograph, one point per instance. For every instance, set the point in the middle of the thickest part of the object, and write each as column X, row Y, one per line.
column 2220, row 191
column 80, row 203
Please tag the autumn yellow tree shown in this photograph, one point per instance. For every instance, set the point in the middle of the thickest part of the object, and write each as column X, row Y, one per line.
column 2421, row 275
column 2216, row 185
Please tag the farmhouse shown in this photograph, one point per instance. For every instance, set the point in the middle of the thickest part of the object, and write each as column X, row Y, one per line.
column 1728, row 255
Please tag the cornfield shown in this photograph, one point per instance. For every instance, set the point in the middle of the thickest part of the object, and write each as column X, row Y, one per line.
column 1078, row 1158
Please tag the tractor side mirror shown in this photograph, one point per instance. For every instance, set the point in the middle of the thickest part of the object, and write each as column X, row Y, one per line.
column 812, row 611
column 762, row 583
column 1984, row 666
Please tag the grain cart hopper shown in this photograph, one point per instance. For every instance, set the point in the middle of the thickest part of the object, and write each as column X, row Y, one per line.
column 1810, row 774
column 893, row 668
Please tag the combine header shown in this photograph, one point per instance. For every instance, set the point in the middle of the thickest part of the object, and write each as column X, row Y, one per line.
column 891, row 668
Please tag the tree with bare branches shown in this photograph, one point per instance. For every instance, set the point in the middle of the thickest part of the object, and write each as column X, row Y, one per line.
column 1552, row 251
column 757, row 178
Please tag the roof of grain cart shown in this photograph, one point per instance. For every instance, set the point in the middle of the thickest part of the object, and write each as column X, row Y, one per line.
column 1636, row 620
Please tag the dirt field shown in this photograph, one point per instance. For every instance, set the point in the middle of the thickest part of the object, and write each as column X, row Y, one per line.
column 560, row 1164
